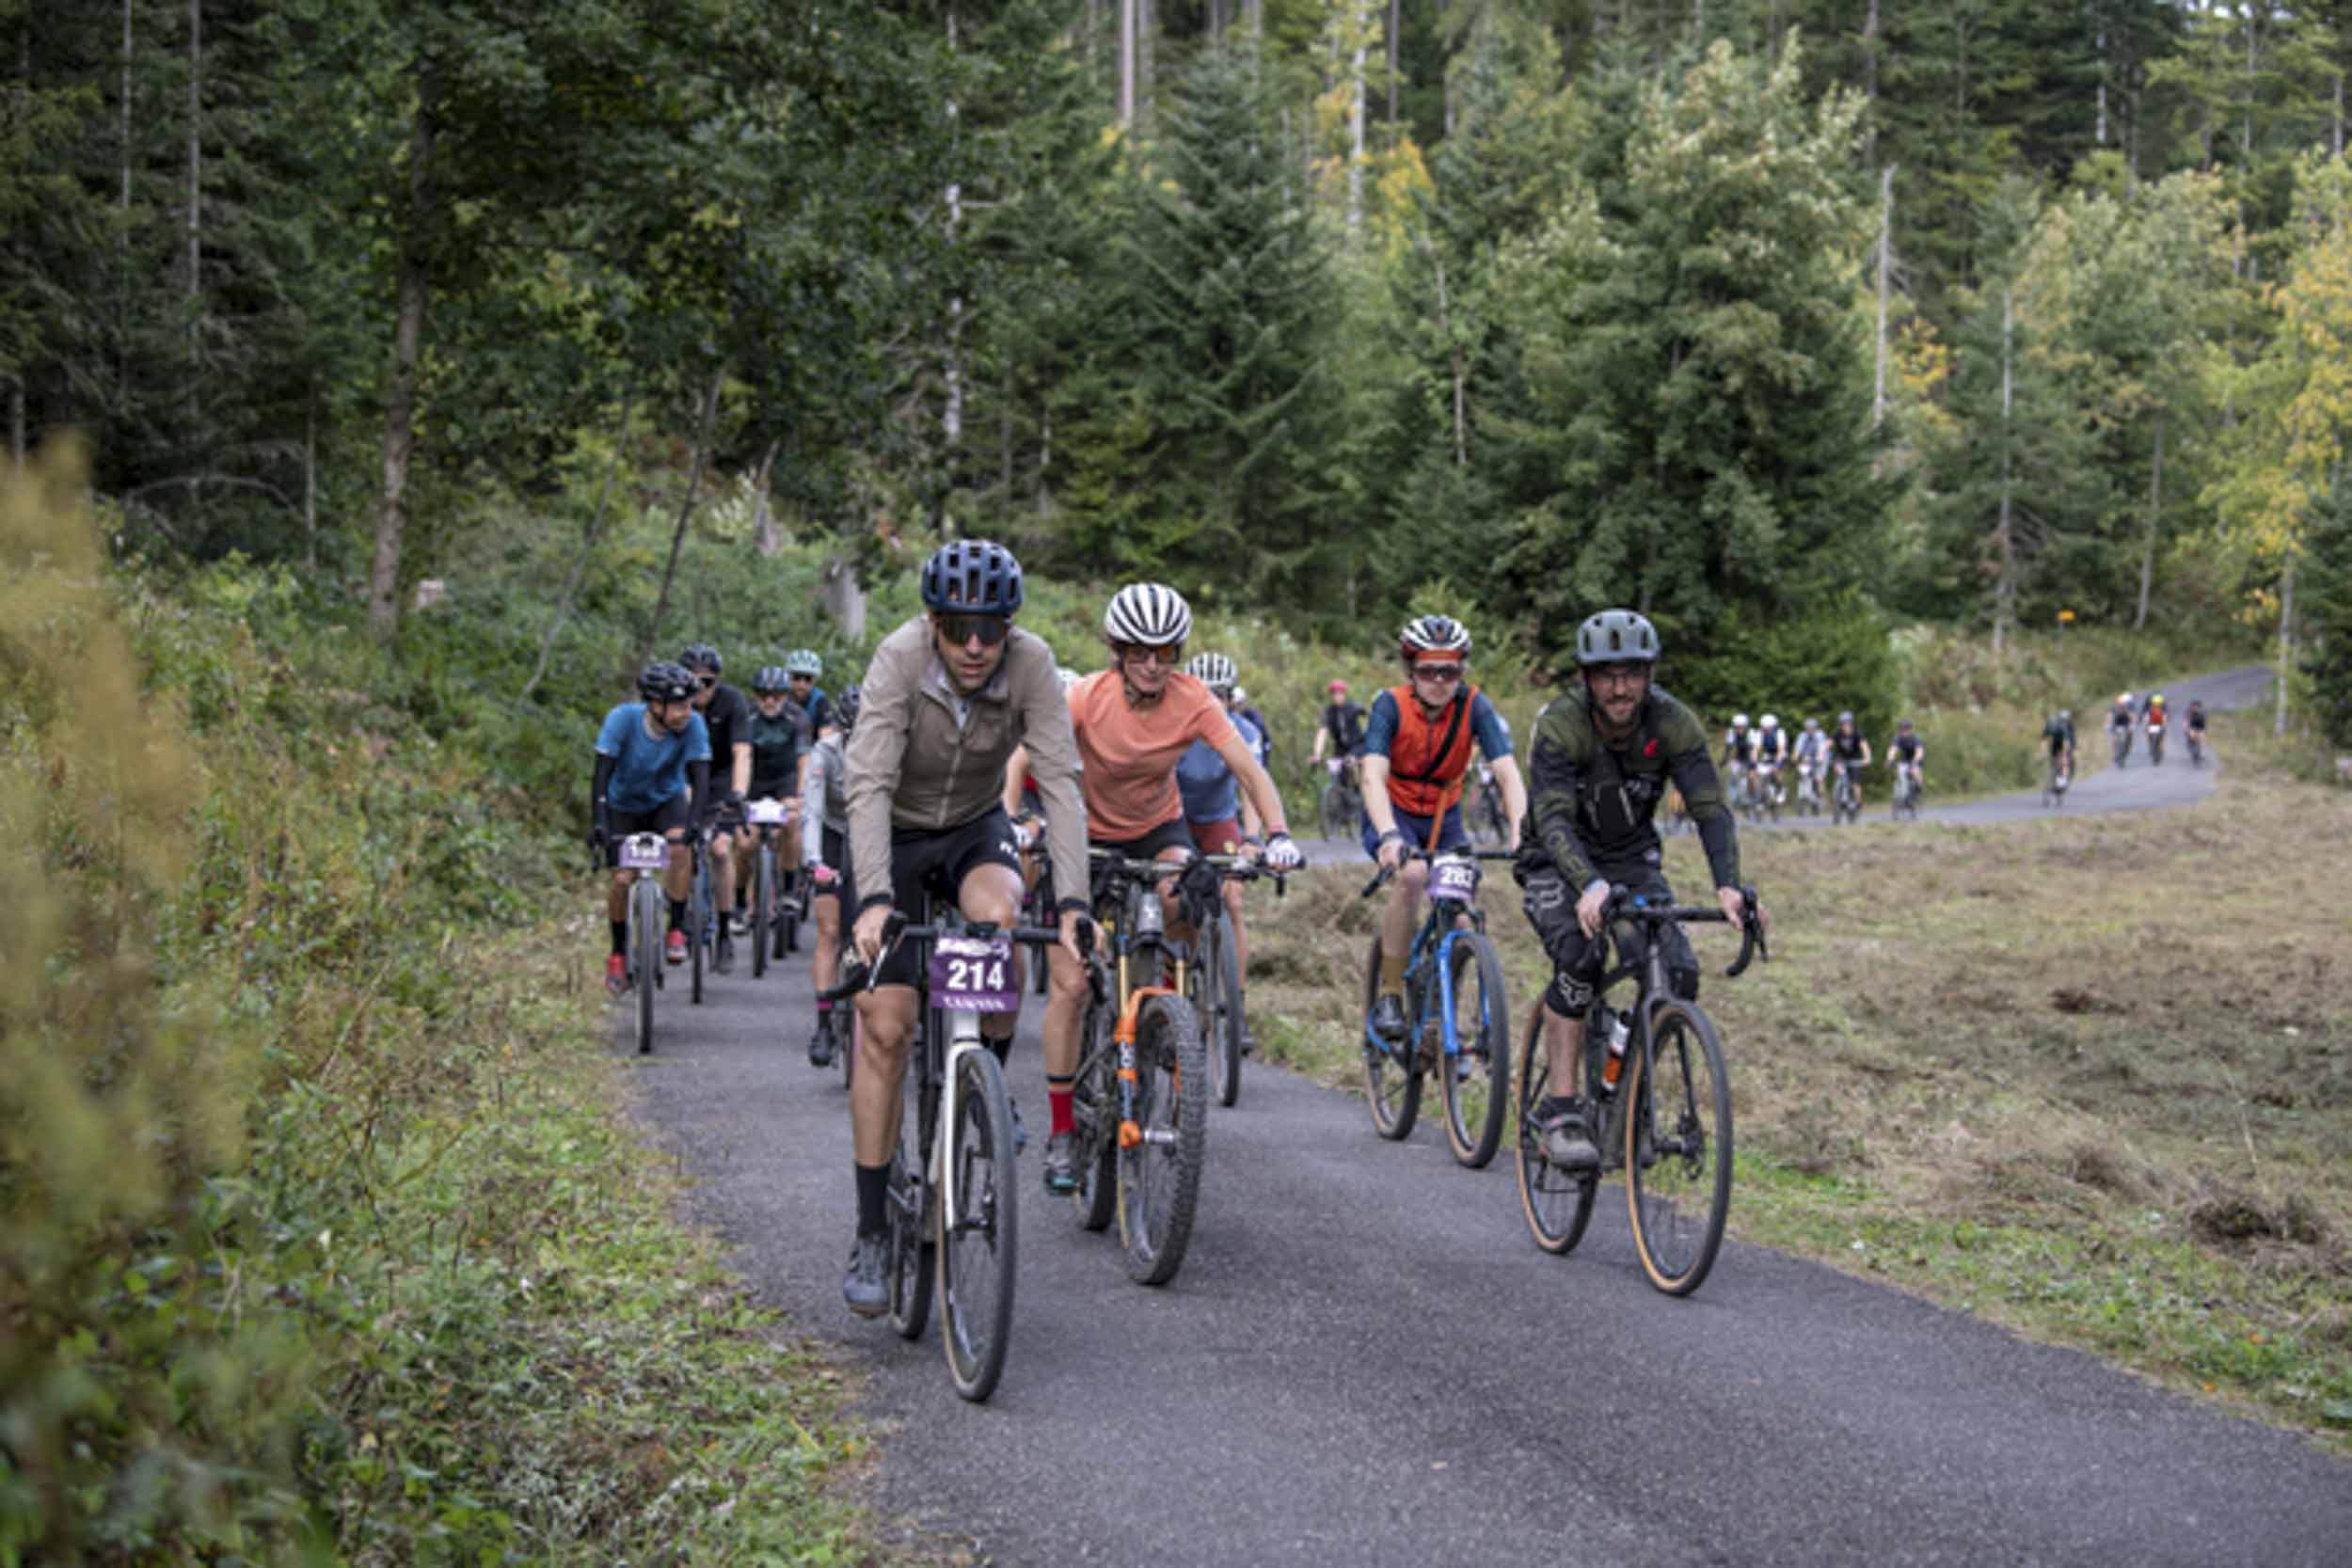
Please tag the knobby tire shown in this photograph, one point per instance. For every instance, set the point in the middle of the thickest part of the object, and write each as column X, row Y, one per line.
column 1391, row 1085
column 1159, row 1180
column 644, row 909
column 1475, row 1104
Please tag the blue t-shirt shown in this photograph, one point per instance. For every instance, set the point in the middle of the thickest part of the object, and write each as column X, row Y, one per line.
column 1486, row 726
column 647, row 772
column 1211, row 792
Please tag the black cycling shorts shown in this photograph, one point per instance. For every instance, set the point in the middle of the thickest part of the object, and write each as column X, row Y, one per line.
column 927, row 868
column 671, row 816
column 835, row 850
column 1577, row 961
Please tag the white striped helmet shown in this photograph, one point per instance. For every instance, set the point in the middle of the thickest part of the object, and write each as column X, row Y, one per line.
column 1146, row 615
column 1434, row 634
column 1214, row 670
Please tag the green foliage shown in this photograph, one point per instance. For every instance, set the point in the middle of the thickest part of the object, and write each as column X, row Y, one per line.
column 2326, row 596
column 1833, row 655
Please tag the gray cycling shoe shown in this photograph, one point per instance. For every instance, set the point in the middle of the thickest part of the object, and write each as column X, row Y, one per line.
column 1061, row 1163
column 820, row 1045
column 1565, row 1142
column 863, row 1288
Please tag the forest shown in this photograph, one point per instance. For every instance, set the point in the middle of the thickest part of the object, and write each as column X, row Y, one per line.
column 1789, row 321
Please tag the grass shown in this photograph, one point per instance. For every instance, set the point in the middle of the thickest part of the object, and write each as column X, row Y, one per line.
column 2089, row 1077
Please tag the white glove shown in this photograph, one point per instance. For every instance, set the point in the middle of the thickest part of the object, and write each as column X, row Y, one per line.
column 1282, row 855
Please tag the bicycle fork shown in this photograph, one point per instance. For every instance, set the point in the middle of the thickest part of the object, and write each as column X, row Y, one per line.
column 963, row 1037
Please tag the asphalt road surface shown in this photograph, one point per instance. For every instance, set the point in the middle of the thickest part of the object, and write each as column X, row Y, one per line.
column 1365, row 1360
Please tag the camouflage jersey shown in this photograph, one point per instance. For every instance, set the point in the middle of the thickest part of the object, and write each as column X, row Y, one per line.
column 1589, row 818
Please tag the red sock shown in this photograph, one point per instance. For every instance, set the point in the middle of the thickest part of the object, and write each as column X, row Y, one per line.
column 1058, row 1101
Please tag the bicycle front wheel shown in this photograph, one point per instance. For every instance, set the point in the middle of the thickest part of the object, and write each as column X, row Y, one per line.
column 1338, row 821
column 1159, row 1176
column 979, row 1231
column 1473, row 1084
column 1095, row 1107
column 1216, row 986
column 1558, row 1202
column 1392, row 1085
column 1677, row 1148
column 698, row 927
column 763, row 895
column 645, row 907
column 913, row 1254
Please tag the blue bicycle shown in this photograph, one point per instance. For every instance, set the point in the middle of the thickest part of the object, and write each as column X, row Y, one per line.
column 1457, row 1012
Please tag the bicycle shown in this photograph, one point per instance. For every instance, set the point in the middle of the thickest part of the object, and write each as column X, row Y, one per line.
column 2055, row 784
column 1341, row 802
column 1213, row 972
column 2156, row 744
column 2196, row 748
column 1141, row 1099
column 1845, row 802
column 1667, row 1124
column 1808, row 789
column 1765, row 792
column 953, row 1205
column 646, row 857
column 1904, row 807
column 702, row 916
column 2120, row 740
column 768, row 819
column 1484, row 815
column 1735, row 789
column 1458, row 1016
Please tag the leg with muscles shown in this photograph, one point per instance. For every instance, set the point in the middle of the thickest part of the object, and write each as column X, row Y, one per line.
column 825, row 972
column 1552, row 909
column 876, row 1099
column 678, row 882
column 1065, row 1016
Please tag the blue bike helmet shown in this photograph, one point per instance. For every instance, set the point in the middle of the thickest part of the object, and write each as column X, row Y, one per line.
column 971, row 577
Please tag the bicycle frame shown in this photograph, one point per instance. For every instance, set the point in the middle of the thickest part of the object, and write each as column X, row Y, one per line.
column 1629, row 908
column 1433, row 943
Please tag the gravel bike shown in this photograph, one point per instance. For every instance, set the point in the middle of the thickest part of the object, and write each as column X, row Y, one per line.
column 1212, row 967
column 2196, row 746
column 2055, row 784
column 2156, row 729
column 707, row 944
column 1845, row 800
column 953, row 1207
column 1457, row 1013
column 644, row 857
column 1342, row 800
column 1140, row 1101
column 768, row 819
column 1667, row 1124
column 1809, row 789
column 2120, row 742
column 1904, row 807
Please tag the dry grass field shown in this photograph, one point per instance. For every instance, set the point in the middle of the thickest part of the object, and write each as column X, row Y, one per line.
column 2089, row 1076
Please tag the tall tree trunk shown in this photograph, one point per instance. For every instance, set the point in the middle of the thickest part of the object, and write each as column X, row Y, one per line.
column 951, row 417
column 1359, row 23
column 1127, row 61
column 2005, row 537
column 2099, row 41
column 400, row 404
column 686, row 505
column 196, row 208
column 1396, row 72
column 843, row 598
column 2155, row 516
column 1886, row 267
column 2286, row 639
column 2335, row 144
column 311, row 477
column 1870, row 84
column 587, row 551
column 767, row 538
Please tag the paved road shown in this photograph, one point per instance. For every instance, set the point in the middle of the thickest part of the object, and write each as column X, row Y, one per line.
column 1366, row 1361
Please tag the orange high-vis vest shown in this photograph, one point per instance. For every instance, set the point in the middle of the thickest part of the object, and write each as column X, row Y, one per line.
column 1428, row 757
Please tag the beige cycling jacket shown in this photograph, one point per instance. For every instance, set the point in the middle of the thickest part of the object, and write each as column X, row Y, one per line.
column 922, row 756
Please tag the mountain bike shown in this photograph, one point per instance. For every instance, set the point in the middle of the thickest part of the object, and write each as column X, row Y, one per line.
column 1343, row 800
column 768, row 819
column 1483, row 815
column 1904, row 807
column 2196, row 748
column 1845, row 801
column 1457, row 1013
column 1212, row 968
column 1764, row 786
column 953, row 1208
column 646, row 857
column 1735, row 789
column 1808, row 789
column 705, row 928
column 1667, row 1124
column 2155, row 743
column 1140, row 1101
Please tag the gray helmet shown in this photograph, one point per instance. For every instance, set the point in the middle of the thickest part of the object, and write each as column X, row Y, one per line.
column 1616, row 636
column 803, row 661
column 664, row 682
column 772, row 678
column 1846, row 717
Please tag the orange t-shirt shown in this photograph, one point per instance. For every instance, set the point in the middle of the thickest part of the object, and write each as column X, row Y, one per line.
column 1129, row 758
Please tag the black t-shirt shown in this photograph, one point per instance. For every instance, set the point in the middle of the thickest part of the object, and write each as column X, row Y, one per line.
column 1847, row 748
column 1907, row 747
column 2196, row 720
column 729, row 717
column 1345, row 722
column 2059, row 735
column 1741, row 746
column 775, row 754
column 2119, row 717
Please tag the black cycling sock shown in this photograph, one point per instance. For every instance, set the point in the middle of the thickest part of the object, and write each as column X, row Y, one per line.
column 620, row 939
column 873, row 1199
column 677, row 914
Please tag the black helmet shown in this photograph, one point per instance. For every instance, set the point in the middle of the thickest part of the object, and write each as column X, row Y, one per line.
column 770, row 678
column 664, row 682
column 1616, row 636
column 974, row 576
column 845, row 707
column 701, row 655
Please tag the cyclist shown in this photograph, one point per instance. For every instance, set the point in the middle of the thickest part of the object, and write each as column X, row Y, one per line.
column 777, row 764
column 1133, row 722
column 1811, row 752
column 825, row 861
column 1602, row 757
column 1772, row 750
column 1342, row 732
column 1907, row 757
column 2152, row 718
column 813, row 711
column 2195, row 723
column 1243, row 707
column 729, row 717
column 2057, row 738
column 1739, row 753
column 1849, row 750
column 2120, row 725
column 1214, row 813
column 1417, row 756
column 653, row 760
column 945, row 700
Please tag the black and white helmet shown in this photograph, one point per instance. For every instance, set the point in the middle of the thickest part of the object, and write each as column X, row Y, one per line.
column 1434, row 634
column 772, row 678
column 701, row 655
column 664, row 682
column 1212, row 670
column 1146, row 615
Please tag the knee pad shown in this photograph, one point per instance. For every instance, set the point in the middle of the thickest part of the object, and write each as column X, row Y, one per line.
column 1569, row 995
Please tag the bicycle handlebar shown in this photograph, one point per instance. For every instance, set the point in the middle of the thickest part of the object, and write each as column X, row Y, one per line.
column 1386, row 875
column 857, row 975
column 1626, row 904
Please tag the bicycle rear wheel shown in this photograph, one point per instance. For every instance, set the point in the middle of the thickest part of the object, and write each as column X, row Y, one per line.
column 1392, row 1087
column 789, row 917
column 1677, row 1148
column 763, row 894
column 644, row 914
column 979, row 1240
column 1338, row 821
column 847, row 1038
column 1474, row 1085
column 1558, row 1203
column 1214, row 982
column 1159, row 1178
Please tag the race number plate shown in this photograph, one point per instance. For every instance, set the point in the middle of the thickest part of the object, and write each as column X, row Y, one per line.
column 766, row 813
column 644, row 852
column 1453, row 879
column 973, row 975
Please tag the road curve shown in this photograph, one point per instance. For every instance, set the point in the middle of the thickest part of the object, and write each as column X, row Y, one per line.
column 1365, row 1360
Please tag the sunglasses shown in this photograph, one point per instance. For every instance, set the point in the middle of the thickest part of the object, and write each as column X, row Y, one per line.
column 959, row 629
column 1173, row 654
column 1447, row 673
column 703, row 682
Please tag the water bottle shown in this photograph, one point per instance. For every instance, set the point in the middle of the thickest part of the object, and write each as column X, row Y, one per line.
column 1618, row 1035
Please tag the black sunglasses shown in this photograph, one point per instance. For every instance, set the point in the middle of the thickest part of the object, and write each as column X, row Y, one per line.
column 990, row 629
